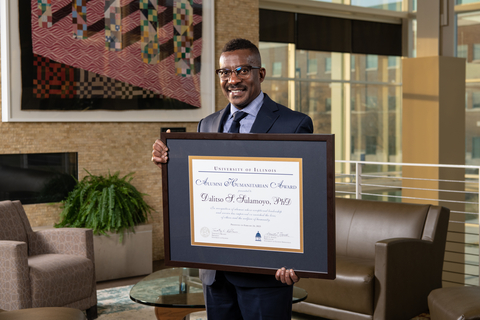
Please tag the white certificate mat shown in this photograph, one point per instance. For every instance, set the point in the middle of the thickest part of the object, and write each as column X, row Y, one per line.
column 246, row 203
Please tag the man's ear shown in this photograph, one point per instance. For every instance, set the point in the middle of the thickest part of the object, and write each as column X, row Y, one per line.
column 262, row 72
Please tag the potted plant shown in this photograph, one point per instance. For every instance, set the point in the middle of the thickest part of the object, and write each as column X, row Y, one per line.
column 104, row 204
column 116, row 212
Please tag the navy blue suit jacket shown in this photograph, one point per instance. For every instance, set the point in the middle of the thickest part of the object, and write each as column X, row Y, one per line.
column 271, row 118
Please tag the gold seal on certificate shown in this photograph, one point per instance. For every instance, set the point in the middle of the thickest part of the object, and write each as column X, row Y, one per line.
column 246, row 202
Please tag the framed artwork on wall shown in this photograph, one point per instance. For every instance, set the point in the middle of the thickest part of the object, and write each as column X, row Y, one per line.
column 107, row 60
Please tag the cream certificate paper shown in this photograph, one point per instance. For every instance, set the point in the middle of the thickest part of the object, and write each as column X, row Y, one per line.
column 246, row 203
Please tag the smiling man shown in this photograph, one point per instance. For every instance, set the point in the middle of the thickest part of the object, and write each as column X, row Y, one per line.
column 241, row 75
column 233, row 295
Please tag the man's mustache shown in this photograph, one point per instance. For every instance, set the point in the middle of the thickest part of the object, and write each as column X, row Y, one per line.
column 236, row 88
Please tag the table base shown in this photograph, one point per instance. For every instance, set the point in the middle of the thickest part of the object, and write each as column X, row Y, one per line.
column 175, row 313
column 199, row 315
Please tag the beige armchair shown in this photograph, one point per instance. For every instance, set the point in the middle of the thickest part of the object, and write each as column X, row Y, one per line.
column 46, row 268
column 43, row 314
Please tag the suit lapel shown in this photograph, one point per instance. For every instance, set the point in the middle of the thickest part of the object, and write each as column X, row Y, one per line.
column 217, row 124
column 266, row 117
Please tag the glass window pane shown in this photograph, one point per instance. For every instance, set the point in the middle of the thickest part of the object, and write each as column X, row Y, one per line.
column 275, row 59
column 277, row 69
column 372, row 62
column 375, row 109
column 314, row 65
column 315, row 100
column 462, row 51
column 468, row 46
column 375, row 122
column 475, row 147
column 372, row 68
column 393, row 5
column 476, row 51
column 466, row 1
column 472, row 123
column 328, row 64
column 277, row 90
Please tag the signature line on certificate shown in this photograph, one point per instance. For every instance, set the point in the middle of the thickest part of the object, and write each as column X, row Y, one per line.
column 236, row 172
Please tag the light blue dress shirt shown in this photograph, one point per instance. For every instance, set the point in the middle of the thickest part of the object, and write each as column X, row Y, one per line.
column 247, row 122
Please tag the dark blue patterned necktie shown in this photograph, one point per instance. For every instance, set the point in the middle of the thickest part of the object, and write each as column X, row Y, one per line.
column 237, row 116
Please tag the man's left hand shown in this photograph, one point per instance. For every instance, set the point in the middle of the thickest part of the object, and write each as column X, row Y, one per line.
column 287, row 276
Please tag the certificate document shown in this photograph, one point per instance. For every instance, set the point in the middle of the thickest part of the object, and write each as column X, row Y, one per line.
column 246, row 203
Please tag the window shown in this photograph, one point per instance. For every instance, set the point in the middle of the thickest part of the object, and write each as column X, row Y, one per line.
column 371, row 145
column 328, row 64
column 277, row 69
column 372, row 62
column 328, row 104
column 371, row 102
column 476, row 147
column 392, row 145
column 462, row 51
column 312, row 66
column 476, row 51
column 476, row 100
column 393, row 62
column 392, row 103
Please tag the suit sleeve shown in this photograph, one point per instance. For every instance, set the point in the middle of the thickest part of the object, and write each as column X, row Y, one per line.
column 305, row 126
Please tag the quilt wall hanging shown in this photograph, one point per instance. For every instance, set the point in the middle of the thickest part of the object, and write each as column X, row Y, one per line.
column 109, row 55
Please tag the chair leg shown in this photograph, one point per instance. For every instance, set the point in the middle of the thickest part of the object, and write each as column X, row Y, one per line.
column 92, row 312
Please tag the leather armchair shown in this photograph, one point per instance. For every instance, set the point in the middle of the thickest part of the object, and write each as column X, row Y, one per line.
column 389, row 256
column 46, row 268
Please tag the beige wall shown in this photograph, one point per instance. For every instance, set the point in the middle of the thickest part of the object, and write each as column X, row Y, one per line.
column 123, row 147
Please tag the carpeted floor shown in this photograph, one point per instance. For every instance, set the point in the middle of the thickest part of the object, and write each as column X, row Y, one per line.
column 117, row 300
column 115, row 304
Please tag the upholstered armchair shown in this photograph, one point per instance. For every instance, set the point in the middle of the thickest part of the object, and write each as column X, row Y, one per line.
column 46, row 268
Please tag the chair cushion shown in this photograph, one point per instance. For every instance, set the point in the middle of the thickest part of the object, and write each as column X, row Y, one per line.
column 11, row 224
column 352, row 290
column 43, row 314
column 362, row 223
column 455, row 303
column 60, row 279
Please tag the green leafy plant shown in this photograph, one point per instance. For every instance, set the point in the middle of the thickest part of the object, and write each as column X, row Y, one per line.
column 104, row 204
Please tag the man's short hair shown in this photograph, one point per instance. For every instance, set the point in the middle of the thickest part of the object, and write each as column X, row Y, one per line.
column 240, row 44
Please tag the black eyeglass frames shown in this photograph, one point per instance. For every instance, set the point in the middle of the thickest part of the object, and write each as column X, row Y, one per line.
column 242, row 72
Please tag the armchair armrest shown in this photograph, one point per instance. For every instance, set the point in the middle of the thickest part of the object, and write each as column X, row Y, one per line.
column 404, row 277
column 14, row 276
column 77, row 241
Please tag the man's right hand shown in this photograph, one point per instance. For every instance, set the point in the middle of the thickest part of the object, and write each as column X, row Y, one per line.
column 159, row 153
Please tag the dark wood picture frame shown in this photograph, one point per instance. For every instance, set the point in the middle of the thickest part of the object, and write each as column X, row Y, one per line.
column 318, row 161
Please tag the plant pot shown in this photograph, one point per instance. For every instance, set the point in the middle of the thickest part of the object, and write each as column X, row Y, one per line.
column 129, row 258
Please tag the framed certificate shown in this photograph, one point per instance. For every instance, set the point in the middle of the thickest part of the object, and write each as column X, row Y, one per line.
column 250, row 202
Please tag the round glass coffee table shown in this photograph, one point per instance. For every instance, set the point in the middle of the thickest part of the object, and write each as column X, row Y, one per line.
column 172, row 288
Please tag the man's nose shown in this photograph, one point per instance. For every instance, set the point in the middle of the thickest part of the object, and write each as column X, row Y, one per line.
column 234, row 78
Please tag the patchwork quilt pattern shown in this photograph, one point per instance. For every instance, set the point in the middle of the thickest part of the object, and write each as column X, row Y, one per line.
column 115, row 49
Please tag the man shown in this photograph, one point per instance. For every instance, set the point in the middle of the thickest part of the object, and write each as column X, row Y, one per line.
column 233, row 295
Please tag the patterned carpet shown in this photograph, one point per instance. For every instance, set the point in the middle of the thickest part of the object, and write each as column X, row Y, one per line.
column 115, row 304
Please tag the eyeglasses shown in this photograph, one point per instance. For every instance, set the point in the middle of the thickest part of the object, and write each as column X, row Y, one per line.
column 242, row 72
